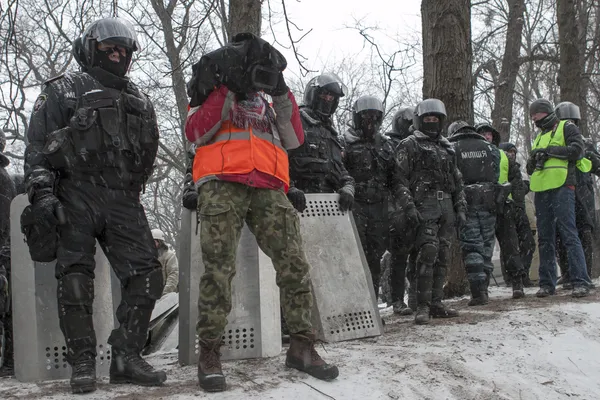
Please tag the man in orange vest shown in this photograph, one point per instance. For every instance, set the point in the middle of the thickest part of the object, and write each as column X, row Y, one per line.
column 241, row 170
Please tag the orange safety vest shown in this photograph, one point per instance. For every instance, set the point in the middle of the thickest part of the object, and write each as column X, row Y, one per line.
column 235, row 151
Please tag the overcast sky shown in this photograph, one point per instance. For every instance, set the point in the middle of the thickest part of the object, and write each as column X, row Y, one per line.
column 330, row 40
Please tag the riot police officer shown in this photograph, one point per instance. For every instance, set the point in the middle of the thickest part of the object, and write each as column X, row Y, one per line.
column 585, row 218
column 369, row 159
column 479, row 162
column 93, row 139
column 316, row 166
column 506, row 229
column 428, row 187
column 401, row 241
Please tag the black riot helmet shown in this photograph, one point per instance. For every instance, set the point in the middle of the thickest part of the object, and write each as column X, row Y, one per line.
column 430, row 108
column 109, row 31
column 459, row 127
column 483, row 127
column 325, row 85
column 402, row 121
column 568, row 110
column 367, row 115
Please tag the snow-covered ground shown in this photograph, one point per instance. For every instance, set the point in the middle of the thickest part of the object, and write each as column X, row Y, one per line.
column 526, row 349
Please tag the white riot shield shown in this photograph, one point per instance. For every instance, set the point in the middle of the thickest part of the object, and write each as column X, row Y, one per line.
column 345, row 306
column 39, row 345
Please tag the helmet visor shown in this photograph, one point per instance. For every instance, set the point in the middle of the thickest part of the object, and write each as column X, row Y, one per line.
column 331, row 82
column 114, row 31
column 431, row 106
column 368, row 103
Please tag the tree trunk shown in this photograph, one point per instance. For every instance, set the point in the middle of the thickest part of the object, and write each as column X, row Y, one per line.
column 571, row 57
column 505, row 86
column 447, row 72
column 244, row 16
column 447, row 56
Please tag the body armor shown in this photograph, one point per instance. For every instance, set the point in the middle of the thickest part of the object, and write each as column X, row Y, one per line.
column 367, row 162
column 111, row 137
column 317, row 166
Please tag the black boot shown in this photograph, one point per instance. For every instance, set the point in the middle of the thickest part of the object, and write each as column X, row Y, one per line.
column 517, row 287
column 479, row 294
column 437, row 309
column 424, row 282
column 83, row 375
column 422, row 315
column 130, row 367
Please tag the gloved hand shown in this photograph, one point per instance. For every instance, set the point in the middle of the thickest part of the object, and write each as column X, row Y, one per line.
column 189, row 198
column 297, row 198
column 47, row 210
column 461, row 219
column 414, row 216
column 280, row 89
column 346, row 199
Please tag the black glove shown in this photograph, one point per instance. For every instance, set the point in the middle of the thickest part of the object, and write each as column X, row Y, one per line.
column 461, row 219
column 414, row 216
column 280, row 89
column 346, row 199
column 297, row 198
column 47, row 210
column 190, row 195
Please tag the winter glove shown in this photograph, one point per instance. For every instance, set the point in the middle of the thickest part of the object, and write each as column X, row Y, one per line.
column 346, row 199
column 190, row 194
column 414, row 216
column 297, row 198
column 280, row 89
column 48, row 211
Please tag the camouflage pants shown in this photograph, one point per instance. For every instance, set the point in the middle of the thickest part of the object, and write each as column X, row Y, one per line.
column 223, row 207
column 477, row 239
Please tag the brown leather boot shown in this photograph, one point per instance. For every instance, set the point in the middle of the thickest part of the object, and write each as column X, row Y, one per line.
column 302, row 356
column 210, row 374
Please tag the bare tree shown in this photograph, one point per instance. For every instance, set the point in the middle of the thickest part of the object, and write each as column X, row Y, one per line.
column 447, row 56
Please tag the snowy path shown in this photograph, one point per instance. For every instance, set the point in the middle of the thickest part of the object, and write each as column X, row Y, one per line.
column 528, row 349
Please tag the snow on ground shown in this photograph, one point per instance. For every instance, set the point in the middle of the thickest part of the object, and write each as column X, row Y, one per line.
column 525, row 349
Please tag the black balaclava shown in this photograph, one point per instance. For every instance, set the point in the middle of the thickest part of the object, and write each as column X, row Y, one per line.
column 431, row 129
column 102, row 60
column 547, row 122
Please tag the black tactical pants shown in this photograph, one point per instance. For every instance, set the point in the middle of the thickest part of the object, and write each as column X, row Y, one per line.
column 401, row 244
column 508, row 239
column 118, row 221
column 372, row 225
column 432, row 242
column 526, row 239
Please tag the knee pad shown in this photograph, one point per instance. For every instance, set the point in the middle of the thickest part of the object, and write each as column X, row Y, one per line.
column 76, row 289
column 145, row 288
column 427, row 254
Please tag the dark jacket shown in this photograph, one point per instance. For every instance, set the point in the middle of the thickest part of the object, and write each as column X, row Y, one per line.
column 371, row 164
column 91, row 126
column 317, row 166
column 423, row 167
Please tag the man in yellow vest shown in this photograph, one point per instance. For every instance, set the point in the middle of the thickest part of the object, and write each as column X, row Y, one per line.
column 552, row 164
